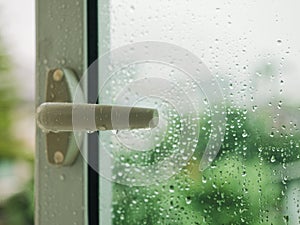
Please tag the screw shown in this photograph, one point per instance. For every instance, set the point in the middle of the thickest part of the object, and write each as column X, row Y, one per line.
column 58, row 74
column 58, row 157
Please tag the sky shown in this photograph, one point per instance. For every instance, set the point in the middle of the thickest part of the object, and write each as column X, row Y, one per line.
column 17, row 31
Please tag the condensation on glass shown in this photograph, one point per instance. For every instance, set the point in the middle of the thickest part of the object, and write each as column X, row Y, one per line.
column 252, row 49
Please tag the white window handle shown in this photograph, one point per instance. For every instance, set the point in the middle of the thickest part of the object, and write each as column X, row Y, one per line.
column 59, row 117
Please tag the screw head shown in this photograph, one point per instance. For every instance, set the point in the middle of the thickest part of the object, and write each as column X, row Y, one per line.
column 58, row 74
column 58, row 157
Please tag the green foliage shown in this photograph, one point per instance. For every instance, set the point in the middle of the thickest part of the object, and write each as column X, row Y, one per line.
column 238, row 188
column 10, row 148
column 18, row 209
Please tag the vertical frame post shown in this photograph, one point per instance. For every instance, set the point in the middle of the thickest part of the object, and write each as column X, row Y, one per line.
column 60, row 41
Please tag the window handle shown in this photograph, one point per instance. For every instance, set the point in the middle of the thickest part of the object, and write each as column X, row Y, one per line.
column 62, row 120
column 62, row 117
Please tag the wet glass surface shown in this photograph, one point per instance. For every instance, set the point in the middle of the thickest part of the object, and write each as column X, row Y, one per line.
column 231, row 158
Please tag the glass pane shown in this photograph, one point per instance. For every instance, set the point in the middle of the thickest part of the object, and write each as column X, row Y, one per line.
column 224, row 78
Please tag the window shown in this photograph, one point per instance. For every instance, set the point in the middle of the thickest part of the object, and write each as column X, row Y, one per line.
column 223, row 77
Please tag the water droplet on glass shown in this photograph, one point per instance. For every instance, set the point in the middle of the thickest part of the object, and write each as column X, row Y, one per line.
column 244, row 134
column 188, row 200
column 204, row 180
column 172, row 189
column 115, row 132
column 273, row 159
column 120, row 174
column 132, row 7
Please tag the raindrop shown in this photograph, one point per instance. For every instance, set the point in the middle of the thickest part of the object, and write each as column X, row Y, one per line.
column 115, row 132
column 273, row 159
column 259, row 74
column 120, row 174
column 172, row 189
column 244, row 134
column 286, row 219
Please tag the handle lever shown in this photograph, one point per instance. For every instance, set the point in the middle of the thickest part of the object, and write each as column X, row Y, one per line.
column 62, row 117
column 59, row 117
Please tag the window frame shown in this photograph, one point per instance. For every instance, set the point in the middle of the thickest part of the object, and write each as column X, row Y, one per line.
column 60, row 192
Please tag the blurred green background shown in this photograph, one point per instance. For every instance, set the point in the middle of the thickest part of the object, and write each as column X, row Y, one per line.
column 17, row 130
column 16, row 156
column 242, row 186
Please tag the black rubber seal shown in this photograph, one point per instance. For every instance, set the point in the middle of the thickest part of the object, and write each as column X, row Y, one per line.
column 93, row 140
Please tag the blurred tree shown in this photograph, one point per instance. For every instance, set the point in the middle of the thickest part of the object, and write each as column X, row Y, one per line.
column 18, row 209
column 10, row 148
column 7, row 102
